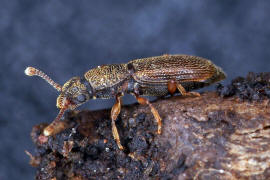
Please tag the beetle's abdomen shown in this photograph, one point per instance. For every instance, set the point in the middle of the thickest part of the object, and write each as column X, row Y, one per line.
column 182, row 68
column 106, row 76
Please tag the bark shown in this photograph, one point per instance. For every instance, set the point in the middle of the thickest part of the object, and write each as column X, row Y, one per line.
column 207, row 137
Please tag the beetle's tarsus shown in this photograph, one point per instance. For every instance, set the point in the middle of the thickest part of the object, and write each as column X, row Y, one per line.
column 182, row 90
column 116, row 109
column 55, row 127
column 155, row 113
column 116, row 136
column 195, row 94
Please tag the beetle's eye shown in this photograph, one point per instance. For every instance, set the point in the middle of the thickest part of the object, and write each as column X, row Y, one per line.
column 81, row 98
column 74, row 89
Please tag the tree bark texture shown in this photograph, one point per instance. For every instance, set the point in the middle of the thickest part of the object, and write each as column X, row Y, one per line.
column 219, row 135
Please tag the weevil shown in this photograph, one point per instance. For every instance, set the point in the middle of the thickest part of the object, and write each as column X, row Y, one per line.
column 153, row 76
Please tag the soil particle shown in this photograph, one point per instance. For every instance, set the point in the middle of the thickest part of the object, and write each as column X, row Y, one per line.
column 256, row 86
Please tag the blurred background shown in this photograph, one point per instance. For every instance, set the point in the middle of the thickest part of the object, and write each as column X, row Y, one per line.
column 66, row 38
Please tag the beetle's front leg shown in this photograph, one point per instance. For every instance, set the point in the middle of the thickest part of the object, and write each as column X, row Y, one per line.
column 173, row 85
column 114, row 114
column 145, row 101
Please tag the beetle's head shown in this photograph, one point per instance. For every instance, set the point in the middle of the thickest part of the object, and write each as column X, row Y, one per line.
column 72, row 94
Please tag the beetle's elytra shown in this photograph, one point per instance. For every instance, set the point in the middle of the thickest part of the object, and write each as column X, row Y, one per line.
column 154, row 76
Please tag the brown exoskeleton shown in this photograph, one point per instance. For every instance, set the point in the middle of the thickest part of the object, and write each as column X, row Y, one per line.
column 154, row 76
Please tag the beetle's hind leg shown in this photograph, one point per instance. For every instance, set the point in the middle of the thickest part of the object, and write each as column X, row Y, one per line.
column 145, row 101
column 114, row 114
column 173, row 85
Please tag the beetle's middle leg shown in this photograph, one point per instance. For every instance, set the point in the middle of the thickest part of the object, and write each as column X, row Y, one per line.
column 173, row 85
column 145, row 101
column 114, row 114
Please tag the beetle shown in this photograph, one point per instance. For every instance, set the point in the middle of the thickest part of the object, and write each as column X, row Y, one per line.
column 153, row 76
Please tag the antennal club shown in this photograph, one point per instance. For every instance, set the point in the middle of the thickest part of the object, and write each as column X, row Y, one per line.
column 31, row 71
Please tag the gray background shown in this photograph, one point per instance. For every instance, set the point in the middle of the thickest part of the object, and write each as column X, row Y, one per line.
column 66, row 38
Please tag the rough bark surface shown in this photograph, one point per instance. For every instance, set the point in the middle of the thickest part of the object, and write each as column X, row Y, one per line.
column 220, row 135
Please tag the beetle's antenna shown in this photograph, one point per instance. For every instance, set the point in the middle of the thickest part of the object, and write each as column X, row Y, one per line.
column 31, row 71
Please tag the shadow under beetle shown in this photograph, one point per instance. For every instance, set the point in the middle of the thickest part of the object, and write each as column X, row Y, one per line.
column 153, row 76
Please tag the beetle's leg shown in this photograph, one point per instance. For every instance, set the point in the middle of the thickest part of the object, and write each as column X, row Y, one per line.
column 57, row 125
column 184, row 93
column 172, row 85
column 144, row 101
column 114, row 114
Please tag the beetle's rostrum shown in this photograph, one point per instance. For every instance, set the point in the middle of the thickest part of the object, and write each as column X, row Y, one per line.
column 153, row 76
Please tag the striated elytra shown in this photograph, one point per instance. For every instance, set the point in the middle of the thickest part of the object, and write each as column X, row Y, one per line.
column 153, row 76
